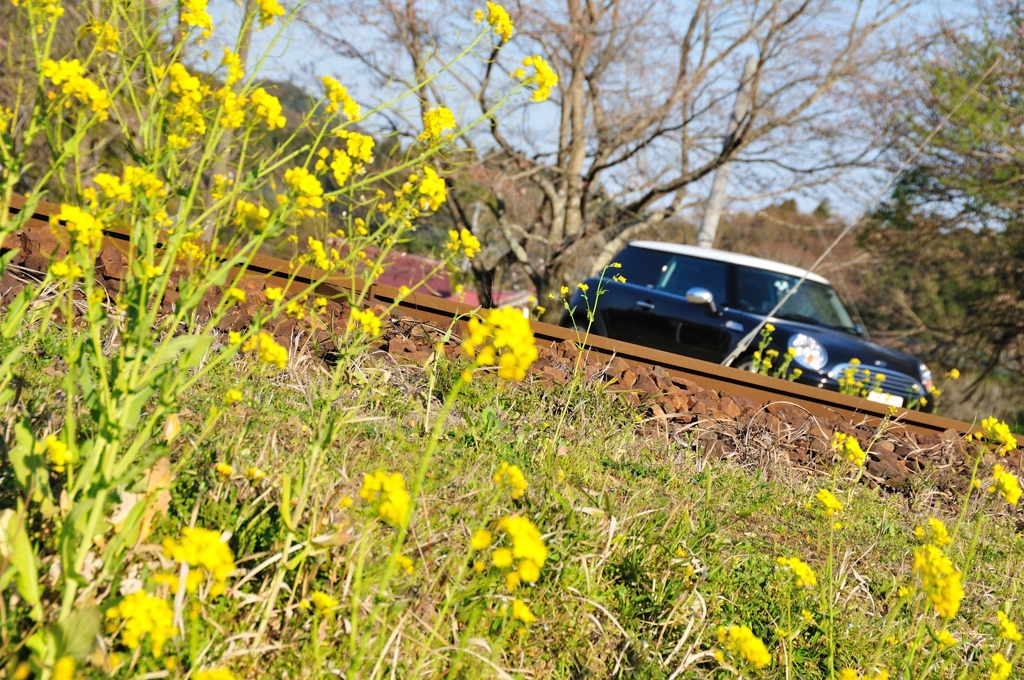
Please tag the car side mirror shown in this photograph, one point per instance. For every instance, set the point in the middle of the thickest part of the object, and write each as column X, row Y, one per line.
column 702, row 296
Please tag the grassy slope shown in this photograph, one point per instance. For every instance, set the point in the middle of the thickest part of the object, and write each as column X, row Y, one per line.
column 651, row 546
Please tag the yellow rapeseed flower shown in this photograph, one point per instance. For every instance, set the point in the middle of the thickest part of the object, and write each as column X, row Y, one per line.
column 203, row 549
column 828, row 500
column 268, row 108
column 435, row 122
column 337, row 95
column 141, row 614
column 802, row 572
column 946, row 639
column 521, row 612
column 935, row 534
column 481, row 539
column 366, row 320
column 511, row 476
column 1007, row 628
column 406, row 564
column 998, row 434
column 215, row 674
column 82, row 226
column 1005, row 484
column 848, row 448
column 498, row 18
column 387, row 492
column 269, row 351
column 545, row 77
column 224, row 470
column 1001, row 668
column 502, row 336
column 268, row 10
column 741, row 642
column 323, row 601
column 463, row 241
column 64, row 669
column 939, row 579
column 502, row 558
column 194, row 14
column 527, row 547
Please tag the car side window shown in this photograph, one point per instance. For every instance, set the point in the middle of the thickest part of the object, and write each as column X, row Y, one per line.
column 682, row 273
column 640, row 266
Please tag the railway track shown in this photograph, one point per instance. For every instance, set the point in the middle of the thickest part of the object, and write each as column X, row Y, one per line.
column 761, row 389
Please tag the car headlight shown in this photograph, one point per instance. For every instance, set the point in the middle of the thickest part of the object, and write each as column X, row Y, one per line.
column 926, row 377
column 808, row 352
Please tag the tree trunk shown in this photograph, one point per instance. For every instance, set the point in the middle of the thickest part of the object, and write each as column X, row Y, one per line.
column 709, row 227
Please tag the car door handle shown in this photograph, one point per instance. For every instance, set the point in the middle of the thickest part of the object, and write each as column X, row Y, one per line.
column 646, row 306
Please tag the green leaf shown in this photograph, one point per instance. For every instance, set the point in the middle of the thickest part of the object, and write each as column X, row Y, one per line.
column 24, row 460
column 76, row 635
column 194, row 356
column 16, row 311
column 23, row 558
column 133, row 407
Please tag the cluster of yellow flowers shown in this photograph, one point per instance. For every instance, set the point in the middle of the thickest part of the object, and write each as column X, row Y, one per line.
column 527, row 547
column 432, row 190
column 185, row 116
column 268, row 107
column 387, row 492
column 322, row 601
column 337, row 95
column 142, row 614
column 545, row 77
column 498, row 18
column 1005, row 484
column 66, row 269
column 268, row 10
column 998, row 434
column 232, row 62
column 463, row 241
column 1001, row 667
column 850, row 674
column 250, row 215
column 1007, row 628
column 358, row 146
column 307, row 188
column 940, row 580
column 435, row 122
column 744, row 646
column 511, row 476
column 70, row 77
column 194, row 14
column 936, row 533
column 367, row 321
column 848, row 448
column 321, row 258
column 829, row 502
column 82, row 226
column 215, row 674
column 502, row 335
column 137, row 182
column 57, row 452
column 50, row 9
column 106, row 36
column 269, row 351
column 802, row 572
column 203, row 549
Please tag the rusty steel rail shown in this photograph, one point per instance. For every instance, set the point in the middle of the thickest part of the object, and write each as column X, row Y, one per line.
column 441, row 312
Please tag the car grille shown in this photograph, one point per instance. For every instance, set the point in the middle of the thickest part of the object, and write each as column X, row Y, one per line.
column 897, row 384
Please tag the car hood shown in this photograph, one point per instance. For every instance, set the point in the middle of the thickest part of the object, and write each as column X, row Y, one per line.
column 842, row 347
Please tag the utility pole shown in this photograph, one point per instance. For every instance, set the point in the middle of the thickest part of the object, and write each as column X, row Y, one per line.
column 713, row 211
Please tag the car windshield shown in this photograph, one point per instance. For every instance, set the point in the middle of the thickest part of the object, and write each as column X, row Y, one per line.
column 758, row 291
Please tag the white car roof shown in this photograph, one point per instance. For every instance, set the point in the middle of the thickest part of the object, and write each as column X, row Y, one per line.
column 733, row 258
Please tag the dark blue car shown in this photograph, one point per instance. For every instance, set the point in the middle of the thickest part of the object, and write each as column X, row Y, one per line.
column 701, row 302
